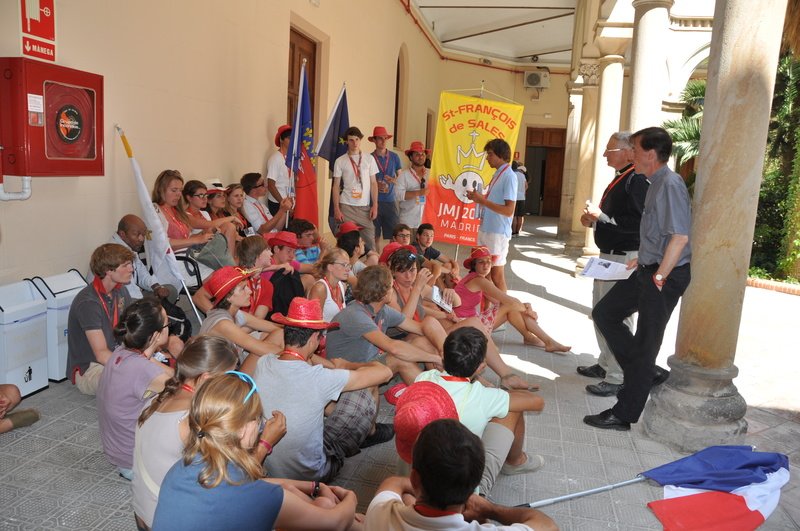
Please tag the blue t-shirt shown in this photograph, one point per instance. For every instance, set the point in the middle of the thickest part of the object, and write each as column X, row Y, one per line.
column 387, row 165
column 504, row 188
column 308, row 255
column 185, row 504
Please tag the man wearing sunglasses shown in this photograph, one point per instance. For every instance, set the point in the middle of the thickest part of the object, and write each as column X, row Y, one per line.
column 615, row 220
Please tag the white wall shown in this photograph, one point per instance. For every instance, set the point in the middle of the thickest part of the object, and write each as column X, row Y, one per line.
column 200, row 86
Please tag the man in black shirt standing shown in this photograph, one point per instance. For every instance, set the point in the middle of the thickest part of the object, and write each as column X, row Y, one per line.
column 616, row 222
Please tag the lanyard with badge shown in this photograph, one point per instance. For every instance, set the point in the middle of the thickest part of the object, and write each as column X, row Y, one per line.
column 383, row 184
column 358, row 187
column 420, row 182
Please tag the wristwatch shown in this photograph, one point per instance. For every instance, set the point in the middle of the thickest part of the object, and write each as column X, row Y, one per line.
column 659, row 280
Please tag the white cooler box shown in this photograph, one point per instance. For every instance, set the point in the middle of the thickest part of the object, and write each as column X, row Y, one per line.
column 59, row 290
column 23, row 344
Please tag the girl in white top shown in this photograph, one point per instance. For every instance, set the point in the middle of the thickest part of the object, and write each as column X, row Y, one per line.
column 334, row 268
column 163, row 428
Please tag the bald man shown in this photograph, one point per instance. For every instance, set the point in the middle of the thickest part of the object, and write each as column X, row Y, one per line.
column 131, row 233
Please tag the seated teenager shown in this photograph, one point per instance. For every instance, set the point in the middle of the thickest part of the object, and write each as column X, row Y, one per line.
column 219, row 483
column 167, row 192
column 131, row 377
column 364, row 322
column 94, row 314
column 349, row 238
column 163, row 428
column 289, row 278
column 257, row 214
column 11, row 420
column 218, row 201
column 424, row 245
column 494, row 415
column 413, row 298
column 252, row 253
column 333, row 270
column 309, row 244
column 447, row 464
column 235, row 197
column 331, row 411
column 230, row 291
column 195, row 197
column 481, row 298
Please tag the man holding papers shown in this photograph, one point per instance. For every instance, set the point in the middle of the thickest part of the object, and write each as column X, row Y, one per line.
column 616, row 233
column 661, row 277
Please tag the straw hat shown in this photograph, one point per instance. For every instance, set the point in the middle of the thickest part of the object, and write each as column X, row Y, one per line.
column 304, row 313
column 419, row 405
column 392, row 248
column 223, row 280
column 477, row 253
column 347, row 226
column 379, row 130
column 284, row 238
column 281, row 130
column 417, row 147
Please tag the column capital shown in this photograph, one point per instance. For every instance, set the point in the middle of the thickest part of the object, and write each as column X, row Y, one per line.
column 611, row 59
column 647, row 5
column 590, row 72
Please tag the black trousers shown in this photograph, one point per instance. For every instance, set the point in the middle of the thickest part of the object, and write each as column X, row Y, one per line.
column 636, row 353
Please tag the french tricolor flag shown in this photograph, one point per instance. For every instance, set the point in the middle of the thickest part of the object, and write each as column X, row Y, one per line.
column 721, row 488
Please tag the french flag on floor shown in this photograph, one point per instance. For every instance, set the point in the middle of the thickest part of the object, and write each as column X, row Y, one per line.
column 721, row 488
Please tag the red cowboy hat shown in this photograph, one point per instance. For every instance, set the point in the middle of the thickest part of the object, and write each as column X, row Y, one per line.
column 479, row 252
column 347, row 226
column 223, row 280
column 281, row 130
column 304, row 313
column 379, row 130
column 417, row 147
column 392, row 248
column 419, row 405
column 284, row 238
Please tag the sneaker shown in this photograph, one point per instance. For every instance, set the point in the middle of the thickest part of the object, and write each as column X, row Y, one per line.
column 382, row 433
column 532, row 464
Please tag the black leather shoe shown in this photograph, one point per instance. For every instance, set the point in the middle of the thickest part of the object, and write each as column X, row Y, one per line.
column 661, row 376
column 592, row 371
column 603, row 389
column 606, row 421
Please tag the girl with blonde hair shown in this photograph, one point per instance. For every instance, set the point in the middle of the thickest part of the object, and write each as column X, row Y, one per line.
column 219, row 483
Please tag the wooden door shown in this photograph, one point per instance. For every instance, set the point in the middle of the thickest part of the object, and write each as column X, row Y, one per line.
column 554, row 169
column 300, row 47
column 554, row 141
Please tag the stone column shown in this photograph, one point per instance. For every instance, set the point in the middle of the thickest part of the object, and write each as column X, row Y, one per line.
column 608, row 111
column 699, row 405
column 570, row 159
column 577, row 237
column 648, row 61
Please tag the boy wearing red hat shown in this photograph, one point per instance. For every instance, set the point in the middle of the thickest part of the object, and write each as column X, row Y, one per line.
column 412, row 188
column 330, row 413
column 439, row 494
column 494, row 415
column 354, row 174
column 388, row 168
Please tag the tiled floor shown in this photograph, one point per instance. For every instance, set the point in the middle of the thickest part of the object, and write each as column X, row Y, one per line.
column 53, row 475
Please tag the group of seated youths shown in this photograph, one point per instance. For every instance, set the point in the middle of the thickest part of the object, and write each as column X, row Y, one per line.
column 282, row 379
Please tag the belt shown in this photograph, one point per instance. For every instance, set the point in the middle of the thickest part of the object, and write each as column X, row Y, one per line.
column 614, row 251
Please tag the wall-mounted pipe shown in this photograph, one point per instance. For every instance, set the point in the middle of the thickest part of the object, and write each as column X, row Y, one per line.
column 16, row 196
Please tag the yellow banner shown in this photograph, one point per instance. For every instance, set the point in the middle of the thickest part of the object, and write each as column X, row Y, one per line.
column 459, row 164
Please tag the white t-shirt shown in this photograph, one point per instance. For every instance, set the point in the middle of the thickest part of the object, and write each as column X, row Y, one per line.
column 411, row 209
column 476, row 404
column 255, row 212
column 356, row 191
column 387, row 512
column 278, row 171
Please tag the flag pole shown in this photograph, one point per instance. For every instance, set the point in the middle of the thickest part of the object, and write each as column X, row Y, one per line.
column 137, row 173
column 605, row 488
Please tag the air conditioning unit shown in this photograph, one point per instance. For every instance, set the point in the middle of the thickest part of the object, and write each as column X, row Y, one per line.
column 536, row 79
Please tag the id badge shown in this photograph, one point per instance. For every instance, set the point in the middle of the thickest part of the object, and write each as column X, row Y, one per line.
column 250, row 231
column 420, row 199
column 356, row 193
